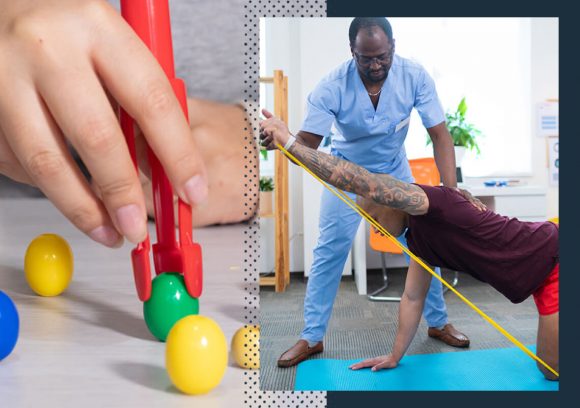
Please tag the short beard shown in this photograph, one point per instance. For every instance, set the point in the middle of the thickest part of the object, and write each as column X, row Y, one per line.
column 367, row 75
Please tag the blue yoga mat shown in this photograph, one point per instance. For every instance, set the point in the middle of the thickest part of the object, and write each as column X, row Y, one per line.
column 480, row 370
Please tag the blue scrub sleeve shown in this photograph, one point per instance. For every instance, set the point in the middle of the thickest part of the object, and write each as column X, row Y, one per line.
column 321, row 106
column 427, row 102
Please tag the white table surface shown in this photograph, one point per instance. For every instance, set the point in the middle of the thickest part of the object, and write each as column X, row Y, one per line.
column 90, row 347
column 480, row 190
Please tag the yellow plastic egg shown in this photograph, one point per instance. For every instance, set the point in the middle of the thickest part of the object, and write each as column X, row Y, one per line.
column 196, row 354
column 48, row 265
column 245, row 346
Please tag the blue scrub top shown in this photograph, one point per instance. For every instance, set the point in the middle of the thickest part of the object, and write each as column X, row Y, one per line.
column 373, row 139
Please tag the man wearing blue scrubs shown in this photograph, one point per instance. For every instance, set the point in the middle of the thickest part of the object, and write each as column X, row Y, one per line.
column 369, row 99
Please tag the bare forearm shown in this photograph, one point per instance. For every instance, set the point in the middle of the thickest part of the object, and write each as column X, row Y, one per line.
column 409, row 317
column 308, row 139
column 350, row 177
column 445, row 160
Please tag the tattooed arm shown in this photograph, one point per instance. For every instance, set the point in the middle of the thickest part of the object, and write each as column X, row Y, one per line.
column 347, row 176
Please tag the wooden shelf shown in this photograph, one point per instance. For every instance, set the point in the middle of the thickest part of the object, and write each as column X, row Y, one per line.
column 267, row 281
column 281, row 278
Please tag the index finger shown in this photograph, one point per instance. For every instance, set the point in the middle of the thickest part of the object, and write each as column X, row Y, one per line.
column 138, row 83
column 267, row 113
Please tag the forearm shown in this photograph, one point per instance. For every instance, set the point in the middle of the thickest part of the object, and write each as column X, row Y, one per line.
column 445, row 160
column 409, row 317
column 350, row 177
column 307, row 139
column 342, row 174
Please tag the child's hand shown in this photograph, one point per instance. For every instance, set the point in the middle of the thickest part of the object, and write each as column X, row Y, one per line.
column 62, row 65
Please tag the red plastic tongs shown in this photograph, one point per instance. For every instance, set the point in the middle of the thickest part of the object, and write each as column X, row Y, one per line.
column 150, row 20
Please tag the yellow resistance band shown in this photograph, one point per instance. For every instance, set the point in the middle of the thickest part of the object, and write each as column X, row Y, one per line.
column 348, row 201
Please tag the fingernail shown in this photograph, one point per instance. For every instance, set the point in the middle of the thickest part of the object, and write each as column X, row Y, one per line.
column 195, row 190
column 132, row 223
column 106, row 236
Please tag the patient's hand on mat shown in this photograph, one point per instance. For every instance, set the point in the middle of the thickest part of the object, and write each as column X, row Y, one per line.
column 377, row 363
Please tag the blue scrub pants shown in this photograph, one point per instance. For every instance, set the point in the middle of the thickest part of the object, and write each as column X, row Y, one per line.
column 338, row 225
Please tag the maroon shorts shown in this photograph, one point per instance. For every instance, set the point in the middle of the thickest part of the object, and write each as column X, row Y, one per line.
column 547, row 297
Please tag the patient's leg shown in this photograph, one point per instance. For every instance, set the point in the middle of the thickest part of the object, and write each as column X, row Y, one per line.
column 547, row 346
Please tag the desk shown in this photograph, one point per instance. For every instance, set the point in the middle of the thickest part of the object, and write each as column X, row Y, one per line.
column 527, row 203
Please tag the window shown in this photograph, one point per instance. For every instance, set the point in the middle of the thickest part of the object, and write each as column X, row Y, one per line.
column 487, row 60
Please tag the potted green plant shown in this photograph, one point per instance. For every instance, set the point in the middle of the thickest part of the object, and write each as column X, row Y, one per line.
column 463, row 133
column 266, row 195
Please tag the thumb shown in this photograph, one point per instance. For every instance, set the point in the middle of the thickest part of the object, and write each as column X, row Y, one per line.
column 267, row 114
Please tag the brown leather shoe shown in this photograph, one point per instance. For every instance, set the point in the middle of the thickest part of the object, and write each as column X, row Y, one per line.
column 298, row 352
column 449, row 335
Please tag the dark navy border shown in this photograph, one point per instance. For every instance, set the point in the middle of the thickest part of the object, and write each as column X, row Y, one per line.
column 569, row 95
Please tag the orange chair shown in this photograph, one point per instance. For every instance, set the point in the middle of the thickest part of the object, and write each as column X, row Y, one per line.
column 424, row 171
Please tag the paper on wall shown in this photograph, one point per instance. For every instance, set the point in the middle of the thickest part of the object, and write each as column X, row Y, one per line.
column 548, row 120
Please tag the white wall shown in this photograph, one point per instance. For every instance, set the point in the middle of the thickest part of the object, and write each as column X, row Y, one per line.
column 284, row 53
column 304, row 66
column 544, row 86
column 307, row 49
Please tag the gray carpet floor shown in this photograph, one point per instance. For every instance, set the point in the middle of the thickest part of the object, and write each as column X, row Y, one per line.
column 360, row 329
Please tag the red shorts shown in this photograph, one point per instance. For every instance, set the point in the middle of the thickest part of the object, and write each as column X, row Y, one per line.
column 547, row 297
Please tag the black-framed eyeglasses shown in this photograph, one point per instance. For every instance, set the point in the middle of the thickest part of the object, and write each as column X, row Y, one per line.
column 383, row 59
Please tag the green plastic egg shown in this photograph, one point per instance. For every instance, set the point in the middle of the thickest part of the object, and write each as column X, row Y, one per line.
column 168, row 303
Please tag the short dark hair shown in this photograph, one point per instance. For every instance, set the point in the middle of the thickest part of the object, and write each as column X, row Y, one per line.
column 367, row 22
